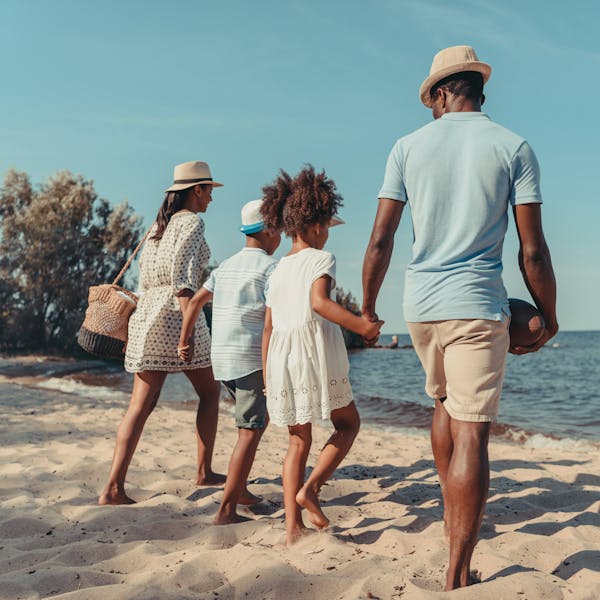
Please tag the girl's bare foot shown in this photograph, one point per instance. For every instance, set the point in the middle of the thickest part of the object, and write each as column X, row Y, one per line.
column 247, row 498
column 307, row 498
column 114, row 496
column 222, row 518
column 211, row 479
column 296, row 534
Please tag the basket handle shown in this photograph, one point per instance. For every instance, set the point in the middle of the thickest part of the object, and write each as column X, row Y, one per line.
column 130, row 259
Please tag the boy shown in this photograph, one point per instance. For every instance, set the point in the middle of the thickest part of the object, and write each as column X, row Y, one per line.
column 237, row 289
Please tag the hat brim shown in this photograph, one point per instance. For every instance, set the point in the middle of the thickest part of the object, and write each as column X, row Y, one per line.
column 176, row 187
column 254, row 228
column 336, row 221
column 477, row 66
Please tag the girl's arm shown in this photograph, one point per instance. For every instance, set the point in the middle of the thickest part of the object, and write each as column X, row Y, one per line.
column 268, row 328
column 323, row 305
column 190, row 310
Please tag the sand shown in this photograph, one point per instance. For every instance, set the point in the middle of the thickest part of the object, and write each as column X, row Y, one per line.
column 540, row 537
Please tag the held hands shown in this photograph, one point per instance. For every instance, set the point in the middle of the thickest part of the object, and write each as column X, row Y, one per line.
column 186, row 351
column 372, row 328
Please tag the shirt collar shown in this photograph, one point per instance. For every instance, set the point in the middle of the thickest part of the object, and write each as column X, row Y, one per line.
column 464, row 116
column 246, row 249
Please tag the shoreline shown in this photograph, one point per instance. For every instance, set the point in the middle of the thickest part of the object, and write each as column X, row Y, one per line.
column 59, row 374
column 540, row 536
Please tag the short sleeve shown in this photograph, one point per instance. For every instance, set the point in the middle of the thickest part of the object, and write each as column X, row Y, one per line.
column 191, row 256
column 268, row 274
column 393, row 180
column 324, row 265
column 525, row 177
column 211, row 282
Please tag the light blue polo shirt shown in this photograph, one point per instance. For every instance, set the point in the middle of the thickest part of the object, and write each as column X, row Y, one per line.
column 239, row 286
column 459, row 175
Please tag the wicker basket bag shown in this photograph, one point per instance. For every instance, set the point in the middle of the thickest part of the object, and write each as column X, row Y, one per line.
column 104, row 329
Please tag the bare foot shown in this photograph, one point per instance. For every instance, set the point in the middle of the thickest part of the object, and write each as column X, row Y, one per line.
column 114, row 497
column 211, row 479
column 247, row 498
column 308, row 499
column 296, row 535
column 227, row 519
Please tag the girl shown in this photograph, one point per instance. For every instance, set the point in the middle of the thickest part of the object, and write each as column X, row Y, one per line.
column 304, row 356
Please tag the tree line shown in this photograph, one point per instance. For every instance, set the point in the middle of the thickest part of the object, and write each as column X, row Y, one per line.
column 56, row 240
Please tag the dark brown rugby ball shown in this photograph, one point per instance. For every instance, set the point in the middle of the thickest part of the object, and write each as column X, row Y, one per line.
column 526, row 323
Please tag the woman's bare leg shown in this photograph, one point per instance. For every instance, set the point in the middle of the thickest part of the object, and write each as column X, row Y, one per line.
column 207, row 418
column 347, row 423
column 146, row 389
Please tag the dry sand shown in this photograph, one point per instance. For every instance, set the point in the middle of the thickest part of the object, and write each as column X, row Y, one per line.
column 540, row 538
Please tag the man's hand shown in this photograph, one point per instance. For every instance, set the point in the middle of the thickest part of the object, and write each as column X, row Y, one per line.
column 548, row 334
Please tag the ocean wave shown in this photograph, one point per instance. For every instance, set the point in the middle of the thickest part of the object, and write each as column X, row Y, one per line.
column 70, row 386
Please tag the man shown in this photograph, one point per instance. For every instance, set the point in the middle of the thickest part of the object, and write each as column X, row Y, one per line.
column 460, row 174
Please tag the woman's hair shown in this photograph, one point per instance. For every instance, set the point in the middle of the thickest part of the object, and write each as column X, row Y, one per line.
column 292, row 205
column 172, row 203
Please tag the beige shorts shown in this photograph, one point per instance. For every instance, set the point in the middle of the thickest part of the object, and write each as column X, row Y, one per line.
column 464, row 362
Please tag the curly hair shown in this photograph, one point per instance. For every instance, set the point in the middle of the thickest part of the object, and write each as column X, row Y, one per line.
column 292, row 205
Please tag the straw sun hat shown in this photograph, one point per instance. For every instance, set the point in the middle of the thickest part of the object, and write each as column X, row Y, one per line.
column 192, row 173
column 449, row 62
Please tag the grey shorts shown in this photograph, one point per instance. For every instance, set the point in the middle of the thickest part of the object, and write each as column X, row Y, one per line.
column 250, row 400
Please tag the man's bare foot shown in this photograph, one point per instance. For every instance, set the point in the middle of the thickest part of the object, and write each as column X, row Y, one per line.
column 247, row 498
column 308, row 499
column 211, row 479
column 296, row 534
column 114, row 497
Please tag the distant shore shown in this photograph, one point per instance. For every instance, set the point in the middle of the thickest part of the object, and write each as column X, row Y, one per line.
column 540, row 537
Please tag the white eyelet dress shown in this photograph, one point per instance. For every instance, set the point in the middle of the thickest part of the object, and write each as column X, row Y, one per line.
column 167, row 266
column 307, row 362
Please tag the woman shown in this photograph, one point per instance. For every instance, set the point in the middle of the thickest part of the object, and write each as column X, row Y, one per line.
column 171, row 265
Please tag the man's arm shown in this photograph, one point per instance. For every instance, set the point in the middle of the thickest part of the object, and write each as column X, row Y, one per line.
column 536, row 268
column 379, row 252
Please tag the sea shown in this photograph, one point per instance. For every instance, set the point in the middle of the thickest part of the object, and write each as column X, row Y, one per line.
column 550, row 398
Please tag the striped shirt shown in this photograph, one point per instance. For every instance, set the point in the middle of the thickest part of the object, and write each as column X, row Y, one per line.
column 239, row 286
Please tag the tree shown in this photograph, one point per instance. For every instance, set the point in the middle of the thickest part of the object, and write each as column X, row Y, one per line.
column 56, row 241
column 348, row 301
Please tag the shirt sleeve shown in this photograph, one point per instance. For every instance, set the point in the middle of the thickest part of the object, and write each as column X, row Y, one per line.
column 525, row 177
column 190, row 257
column 324, row 265
column 393, row 180
column 268, row 273
column 210, row 283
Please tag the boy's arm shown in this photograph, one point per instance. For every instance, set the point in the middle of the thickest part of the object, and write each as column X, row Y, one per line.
column 323, row 305
column 191, row 310
column 267, row 329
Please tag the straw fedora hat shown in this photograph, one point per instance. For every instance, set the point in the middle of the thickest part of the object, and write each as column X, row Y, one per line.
column 448, row 62
column 189, row 174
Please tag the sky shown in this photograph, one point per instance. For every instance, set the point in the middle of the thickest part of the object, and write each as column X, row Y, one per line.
column 121, row 92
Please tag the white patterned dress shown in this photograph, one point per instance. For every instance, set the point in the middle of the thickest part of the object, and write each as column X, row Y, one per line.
column 167, row 266
column 307, row 363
